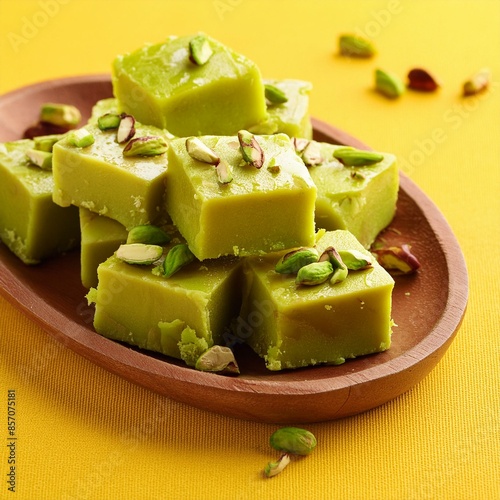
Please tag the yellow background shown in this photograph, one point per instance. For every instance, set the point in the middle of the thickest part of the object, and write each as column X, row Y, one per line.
column 85, row 433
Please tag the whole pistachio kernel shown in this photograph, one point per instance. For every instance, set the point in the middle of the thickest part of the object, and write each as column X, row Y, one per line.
column 81, row 138
column 148, row 234
column 149, row 145
column 274, row 94
column 389, row 84
column 200, row 50
column 42, row 159
column 331, row 255
column 218, row 359
column 352, row 157
column 355, row 260
column 139, row 253
column 355, row 46
column 126, row 129
column 198, row 150
column 109, row 121
column 292, row 261
column 62, row 115
column 274, row 468
column 293, row 440
column 177, row 257
column 250, row 149
column 314, row 273
column 397, row 259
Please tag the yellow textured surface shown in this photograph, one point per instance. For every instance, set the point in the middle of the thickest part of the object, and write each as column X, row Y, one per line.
column 86, row 434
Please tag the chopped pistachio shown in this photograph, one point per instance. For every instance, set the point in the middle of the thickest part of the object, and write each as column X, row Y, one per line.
column 292, row 261
column 331, row 255
column 388, row 84
column 355, row 260
column 178, row 257
column 352, row 157
column 314, row 273
column 46, row 142
column 355, row 46
column 477, row 83
column 274, row 468
column 421, row 80
column 149, row 145
column 339, row 274
column 311, row 154
column 109, row 121
column 274, row 95
column 148, row 234
column 42, row 159
column 224, row 172
column 200, row 50
column 81, row 138
column 139, row 253
column 300, row 144
column 397, row 259
column 218, row 359
column 293, row 440
column 198, row 150
column 250, row 149
column 62, row 115
column 126, row 129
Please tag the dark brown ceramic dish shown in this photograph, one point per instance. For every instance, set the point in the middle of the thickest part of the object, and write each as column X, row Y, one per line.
column 427, row 307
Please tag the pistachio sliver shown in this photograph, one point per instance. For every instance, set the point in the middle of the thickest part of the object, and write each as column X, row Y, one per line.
column 224, row 172
column 148, row 145
column 218, row 359
column 388, row 84
column 311, row 154
column 109, row 121
column 250, row 149
column 355, row 260
column 46, row 142
column 62, row 115
column 314, row 273
column 42, row 159
column 355, row 46
column 139, row 253
column 274, row 94
column 80, row 138
column 292, row 261
column 178, row 257
column 148, row 234
column 200, row 50
column 293, row 440
column 477, row 83
column 126, row 129
column 352, row 157
column 198, row 150
column 339, row 275
column 274, row 468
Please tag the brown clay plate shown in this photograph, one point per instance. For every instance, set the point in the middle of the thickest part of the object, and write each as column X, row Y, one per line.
column 427, row 307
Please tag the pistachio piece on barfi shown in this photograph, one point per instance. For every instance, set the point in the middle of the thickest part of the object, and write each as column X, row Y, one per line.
column 224, row 172
column 293, row 440
column 355, row 260
column 314, row 273
column 292, row 261
column 199, row 50
column 274, row 468
column 61, row 115
column 198, row 150
column 339, row 274
column 250, row 149
column 178, row 257
column 42, row 159
column 355, row 46
column 46, row 142
column 126, row 129
column 477, row 83
column 352, row 157
column 109, row 121
column 218, row 359
column 311, row 154
column 80, row 138
column 397, row 259
column 388, row 84
column 274, row 94
column 148, row 234
column 299, row 144
column 331, row 255
column 139, row 253
column 148, row 145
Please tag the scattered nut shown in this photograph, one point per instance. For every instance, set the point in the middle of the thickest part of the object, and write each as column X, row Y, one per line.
column 198, row 150
column 61, row 115
column 292, row 261
column 42, row 159
column 178, row 257
column 126, row 129
column 274, row 95
column 224, row 172
column 218, row 359
column 149, row 145
column 311, row 154
column 293, row 440
column 274, row 468
column 314, row 274
column 109, row 121
column 421, row 80
column 46, row 142
column 139, row 253
column 80, row 138
column 477, row 83
column 148, row 234
column 397, row 259
column 388, row 84
column 355, row 46
column 199, row 50
column 250, row 149
column 355, row 260
column 352, row 157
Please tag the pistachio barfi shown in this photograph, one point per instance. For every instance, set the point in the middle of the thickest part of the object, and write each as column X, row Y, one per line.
column 293, row 323
column 31, row 225
column 179, row 315
column 359, row 198
column 104, row 179
column 247, row 207
column 100, row 238
column 190, row 85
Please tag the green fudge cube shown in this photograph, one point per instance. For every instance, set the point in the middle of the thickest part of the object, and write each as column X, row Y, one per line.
column 161, row 86
column 101, row 236
column 292, row 326
column 359, row 199
column 100, row 178
column 290, row 117
column 137, row 305
column 257, row 212
column 31, row 225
